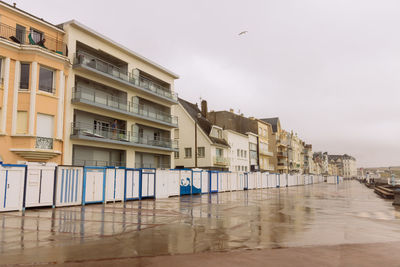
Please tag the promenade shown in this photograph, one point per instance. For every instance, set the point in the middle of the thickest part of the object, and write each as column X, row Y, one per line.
column 313, row 225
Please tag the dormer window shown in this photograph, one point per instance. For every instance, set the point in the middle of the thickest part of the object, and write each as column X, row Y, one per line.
column 216, row 132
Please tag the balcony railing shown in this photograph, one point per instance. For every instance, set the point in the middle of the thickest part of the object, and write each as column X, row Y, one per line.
column 32, row 38
column 148, row 165
column 220, row 160
column 83, row 58
column 121, row 135
column 44, row 143
column 266, row 152
column 282, row 154
column 122, row 104
column 91, row 162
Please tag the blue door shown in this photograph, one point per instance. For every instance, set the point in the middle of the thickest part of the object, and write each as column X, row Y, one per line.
column 185, row 182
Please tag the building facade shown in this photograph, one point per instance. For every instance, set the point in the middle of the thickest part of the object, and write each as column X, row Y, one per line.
column 296, row 154
column 239, row 151
column 266, row 147
column 117, row 106
column 201, row 143
column 34, row 68
column 239, row 123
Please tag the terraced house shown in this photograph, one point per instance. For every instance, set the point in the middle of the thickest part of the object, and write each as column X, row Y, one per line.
column 33, row 68
column 118, row 104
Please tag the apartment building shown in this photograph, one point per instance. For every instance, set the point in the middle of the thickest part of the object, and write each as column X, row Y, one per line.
column 281, row 139
column 117, row 106
column 296, row 154
column 321, row 159
column 33, row 70
column 201, row 143
column 308, row 167
column 345, row 164
column 266, row 147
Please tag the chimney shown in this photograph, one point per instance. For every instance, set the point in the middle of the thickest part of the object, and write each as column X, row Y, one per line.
column 231, row 110
column 204, row 109
column 15, row 5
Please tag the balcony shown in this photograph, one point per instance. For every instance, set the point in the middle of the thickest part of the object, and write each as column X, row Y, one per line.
column 217, row 160
column 280, row 142
column 102, row 163
column 282, row 154
column 44, row 143
column 121, row 105
column 37, row 148
column 266, row 153
column 119, row 136
column 86, row 60
column 34, row 39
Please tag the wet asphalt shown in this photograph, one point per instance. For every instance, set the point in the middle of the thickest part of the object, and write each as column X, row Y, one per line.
column 293, row 217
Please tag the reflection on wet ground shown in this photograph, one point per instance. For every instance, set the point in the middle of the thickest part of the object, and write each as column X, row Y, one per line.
column 318, row 214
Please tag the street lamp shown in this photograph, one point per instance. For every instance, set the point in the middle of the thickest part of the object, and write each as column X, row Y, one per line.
column 195, row 139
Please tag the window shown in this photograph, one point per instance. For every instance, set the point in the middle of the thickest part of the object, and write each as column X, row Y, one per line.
column 176, row 133
column 238, row 152
column 24, row 79
column 265, row 132
column 245, row 153
column 219, row 152
column 201, row 152
column 36, row 35
column 20, row 33
column 259, row 131
column 22, row 122
column 188, row 152
column 44, row 125
column 176, row 154
column 241, row 153
column 46, row 80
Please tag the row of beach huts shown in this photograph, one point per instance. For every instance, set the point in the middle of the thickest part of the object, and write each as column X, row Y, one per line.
column 38, row 185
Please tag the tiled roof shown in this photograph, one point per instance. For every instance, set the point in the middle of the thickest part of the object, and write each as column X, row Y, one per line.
column 203, row 122
column 273, row 122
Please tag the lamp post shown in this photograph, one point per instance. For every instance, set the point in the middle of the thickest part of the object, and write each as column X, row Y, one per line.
column 195, row 139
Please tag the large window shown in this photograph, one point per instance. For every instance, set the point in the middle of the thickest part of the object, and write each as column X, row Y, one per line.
column 188, row 152
column 176, row 154
column 24, row 79
column 46, row 80
column 20, row 33
column 201, row 152
column 36, row 36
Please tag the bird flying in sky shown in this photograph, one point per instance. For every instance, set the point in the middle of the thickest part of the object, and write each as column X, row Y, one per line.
column 243, row 32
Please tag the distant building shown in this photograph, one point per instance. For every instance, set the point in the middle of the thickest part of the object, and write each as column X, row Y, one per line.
column 346, row 165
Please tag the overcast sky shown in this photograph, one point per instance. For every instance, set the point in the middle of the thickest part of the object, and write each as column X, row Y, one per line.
column 328, row 69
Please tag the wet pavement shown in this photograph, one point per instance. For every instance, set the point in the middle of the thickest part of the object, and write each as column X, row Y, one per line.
column 290, row 218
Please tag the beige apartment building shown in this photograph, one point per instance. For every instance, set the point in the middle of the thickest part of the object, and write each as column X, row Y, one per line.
column 117, row 104
column 296, row 154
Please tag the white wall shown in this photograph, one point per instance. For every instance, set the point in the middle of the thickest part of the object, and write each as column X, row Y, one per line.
column 241, row 142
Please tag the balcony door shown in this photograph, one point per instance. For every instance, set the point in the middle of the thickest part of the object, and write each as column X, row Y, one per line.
column 45, row 125
column 44, row 131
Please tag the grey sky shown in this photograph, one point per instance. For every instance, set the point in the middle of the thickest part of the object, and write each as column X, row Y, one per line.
column 328, row 69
